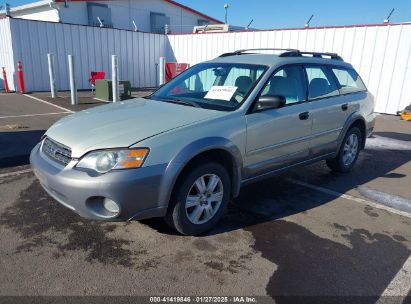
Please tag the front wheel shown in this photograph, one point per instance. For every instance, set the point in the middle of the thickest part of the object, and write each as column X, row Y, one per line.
column 348, row 154
column 200, row 199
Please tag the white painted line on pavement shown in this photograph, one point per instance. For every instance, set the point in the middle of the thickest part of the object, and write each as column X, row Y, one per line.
column 15, row 173
column 349, row 197
column 49, row 103
column 31, row 115
column 400, row 285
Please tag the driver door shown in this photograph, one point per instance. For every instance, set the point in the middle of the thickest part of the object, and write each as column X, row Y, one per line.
column 277, row 138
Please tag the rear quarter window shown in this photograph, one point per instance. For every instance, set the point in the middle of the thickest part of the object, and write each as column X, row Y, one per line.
column 349, row 80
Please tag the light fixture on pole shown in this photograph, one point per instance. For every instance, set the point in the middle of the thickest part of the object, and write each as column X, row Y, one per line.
column 226, row 6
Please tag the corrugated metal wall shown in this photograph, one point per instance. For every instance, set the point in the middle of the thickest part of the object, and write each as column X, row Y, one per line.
column 6, row 53
column 92, row 47
column 381, row 54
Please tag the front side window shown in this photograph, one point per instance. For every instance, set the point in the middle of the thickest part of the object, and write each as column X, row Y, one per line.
column 217, row 86
column 320, row 83
column 349, row 80
column 288, row 82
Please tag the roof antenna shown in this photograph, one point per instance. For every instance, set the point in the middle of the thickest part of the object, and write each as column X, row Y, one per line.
column 248, row 26
column 387, row 20
column 307, row 24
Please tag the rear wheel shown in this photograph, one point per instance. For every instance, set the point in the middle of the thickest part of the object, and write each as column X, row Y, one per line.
column 348, row 154
column 200, row 199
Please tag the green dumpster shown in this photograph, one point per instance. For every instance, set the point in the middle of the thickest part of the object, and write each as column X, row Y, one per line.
column 104, row 90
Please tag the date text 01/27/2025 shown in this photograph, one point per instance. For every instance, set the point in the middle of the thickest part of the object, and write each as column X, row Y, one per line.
column 199, row 299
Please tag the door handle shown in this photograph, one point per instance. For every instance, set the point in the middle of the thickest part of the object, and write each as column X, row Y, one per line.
column 304, row 115
column 344, row 107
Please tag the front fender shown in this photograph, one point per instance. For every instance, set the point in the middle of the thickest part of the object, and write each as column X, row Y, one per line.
column 193, row 149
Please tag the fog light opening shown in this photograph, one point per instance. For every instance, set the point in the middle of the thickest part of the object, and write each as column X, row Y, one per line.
column 111, row 206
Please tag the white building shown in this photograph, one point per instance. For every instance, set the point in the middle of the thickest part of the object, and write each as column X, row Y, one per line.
column 145, row 15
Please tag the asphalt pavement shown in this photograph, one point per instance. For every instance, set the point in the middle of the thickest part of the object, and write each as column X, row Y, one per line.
column 344, row 238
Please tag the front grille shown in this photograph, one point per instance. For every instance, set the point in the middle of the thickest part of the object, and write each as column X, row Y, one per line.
column 56, row 151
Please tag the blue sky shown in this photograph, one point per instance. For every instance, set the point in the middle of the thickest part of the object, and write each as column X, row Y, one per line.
column 280, row 13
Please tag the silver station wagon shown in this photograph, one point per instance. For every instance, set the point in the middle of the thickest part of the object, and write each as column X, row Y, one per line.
column 185, row 151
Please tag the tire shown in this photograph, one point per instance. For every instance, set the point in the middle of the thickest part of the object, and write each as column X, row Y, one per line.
column 199, row 218
column 348, row 154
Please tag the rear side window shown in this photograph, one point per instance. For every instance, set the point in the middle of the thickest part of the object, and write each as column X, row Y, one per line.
column 320, row 83
column 349, row 80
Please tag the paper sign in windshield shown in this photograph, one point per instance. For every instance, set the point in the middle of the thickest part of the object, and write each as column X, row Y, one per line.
column 221, row 92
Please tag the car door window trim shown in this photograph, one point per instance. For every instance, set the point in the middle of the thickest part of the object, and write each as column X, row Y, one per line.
column 327, row 69
column 251, row 110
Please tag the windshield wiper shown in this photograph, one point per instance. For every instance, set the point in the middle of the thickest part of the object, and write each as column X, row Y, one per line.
column 182, row 102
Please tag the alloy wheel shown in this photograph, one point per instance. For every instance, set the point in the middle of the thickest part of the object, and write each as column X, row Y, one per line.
column 204, row 198
column 350, row 149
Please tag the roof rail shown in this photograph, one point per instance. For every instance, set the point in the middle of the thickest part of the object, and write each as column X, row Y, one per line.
column 298, row 53
column 240, row 52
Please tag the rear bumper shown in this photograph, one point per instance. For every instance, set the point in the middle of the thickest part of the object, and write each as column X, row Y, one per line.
column 136, row 191
column 370, row 123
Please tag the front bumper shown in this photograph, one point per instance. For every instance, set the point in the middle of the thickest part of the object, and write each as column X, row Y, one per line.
column 136, row 191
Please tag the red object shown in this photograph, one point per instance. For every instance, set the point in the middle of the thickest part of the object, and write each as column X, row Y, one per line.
column 93, row 77
column 96, row 76
column 173, row 69
column 6, row 83
column 20, row 77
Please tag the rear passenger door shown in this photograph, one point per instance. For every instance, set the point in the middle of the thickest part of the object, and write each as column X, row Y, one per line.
column 329, row 110
column 351, row 86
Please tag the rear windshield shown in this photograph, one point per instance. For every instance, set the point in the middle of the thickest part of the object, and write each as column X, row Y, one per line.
column 349, row 80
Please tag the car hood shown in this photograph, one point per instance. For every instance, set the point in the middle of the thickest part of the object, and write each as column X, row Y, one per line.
column 123, row 124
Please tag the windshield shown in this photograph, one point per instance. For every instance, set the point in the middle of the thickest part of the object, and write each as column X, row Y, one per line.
column 217, row 86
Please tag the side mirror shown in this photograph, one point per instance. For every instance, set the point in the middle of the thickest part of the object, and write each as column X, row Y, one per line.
column 270, row 102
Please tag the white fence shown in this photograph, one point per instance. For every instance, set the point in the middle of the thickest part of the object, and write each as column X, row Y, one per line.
column 6, row 53
column 380, row 53
column 92, row 48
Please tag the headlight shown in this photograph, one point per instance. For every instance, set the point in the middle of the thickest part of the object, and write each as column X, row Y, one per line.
column 106, row 160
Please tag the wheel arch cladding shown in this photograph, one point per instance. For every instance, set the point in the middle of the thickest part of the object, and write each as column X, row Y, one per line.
column 212, row 148
column 354, row 120
column 360, row 124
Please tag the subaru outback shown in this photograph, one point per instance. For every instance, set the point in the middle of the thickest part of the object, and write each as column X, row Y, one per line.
column 183, row 152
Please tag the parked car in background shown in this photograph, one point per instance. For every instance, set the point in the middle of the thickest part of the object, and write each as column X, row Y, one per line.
column 186, row 150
